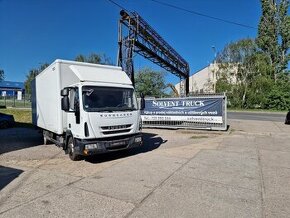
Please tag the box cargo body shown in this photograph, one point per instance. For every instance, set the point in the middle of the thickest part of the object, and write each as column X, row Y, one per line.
column 90, row 124
column 46, row 110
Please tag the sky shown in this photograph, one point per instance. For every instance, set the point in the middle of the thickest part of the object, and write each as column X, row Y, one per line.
column 33, row 32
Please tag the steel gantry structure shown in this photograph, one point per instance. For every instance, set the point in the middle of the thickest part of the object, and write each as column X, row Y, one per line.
column 141, row 38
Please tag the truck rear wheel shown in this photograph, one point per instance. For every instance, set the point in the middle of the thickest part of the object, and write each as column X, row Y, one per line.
column 71, row 152
column 46, row 141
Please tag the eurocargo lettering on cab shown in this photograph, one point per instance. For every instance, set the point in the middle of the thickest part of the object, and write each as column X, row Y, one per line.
column 86, row 108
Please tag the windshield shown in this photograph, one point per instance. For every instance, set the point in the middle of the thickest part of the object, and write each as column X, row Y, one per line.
column 108, row 99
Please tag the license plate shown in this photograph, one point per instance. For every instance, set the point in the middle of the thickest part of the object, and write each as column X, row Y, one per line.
column 119, row 143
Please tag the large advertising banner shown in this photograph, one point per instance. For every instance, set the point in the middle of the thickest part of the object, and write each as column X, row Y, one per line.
column 204, row 110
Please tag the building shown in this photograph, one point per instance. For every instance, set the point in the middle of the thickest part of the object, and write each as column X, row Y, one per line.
column 204, row 80
column 11, row 89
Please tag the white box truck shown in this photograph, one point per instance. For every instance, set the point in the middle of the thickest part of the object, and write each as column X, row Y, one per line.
column 86, row 108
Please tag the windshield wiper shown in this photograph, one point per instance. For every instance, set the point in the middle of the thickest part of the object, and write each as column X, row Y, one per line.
column 111, row 109
column 128, row 109
column 105, row 109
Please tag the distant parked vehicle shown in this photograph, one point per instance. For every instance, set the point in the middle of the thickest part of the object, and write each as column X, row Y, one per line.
column 287, row 120
column 6, row 121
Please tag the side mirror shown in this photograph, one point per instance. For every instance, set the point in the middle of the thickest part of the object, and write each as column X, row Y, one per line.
column 65, row 103
column 142, row 102
column 64, row 92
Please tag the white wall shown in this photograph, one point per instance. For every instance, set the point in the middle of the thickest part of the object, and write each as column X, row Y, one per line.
column 204, row 80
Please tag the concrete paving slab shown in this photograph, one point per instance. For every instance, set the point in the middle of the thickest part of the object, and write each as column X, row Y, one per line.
column 174, row 139
column 79, row 168
column 259, row 127
column 277, row 207
column 276, row 182
column 235, row 169
column 282, row 138
column 125, row 190
column 239, row 144
column 189, row 151
column 275, row 158
column 277, row 142
column 71, row 202
column 152, row 168
column 225, row 158
column 33, row 154
column 13, row 139
column 132, row 180
column 186, row 197
column 283, row 127
column 185, row 152
column 238, row 140
column 30, row 185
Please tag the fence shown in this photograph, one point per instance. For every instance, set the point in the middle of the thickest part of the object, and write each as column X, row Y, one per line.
column 12, row 101
column 206, row 111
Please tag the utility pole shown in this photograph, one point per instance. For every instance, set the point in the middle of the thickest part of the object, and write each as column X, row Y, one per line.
column 214, row 70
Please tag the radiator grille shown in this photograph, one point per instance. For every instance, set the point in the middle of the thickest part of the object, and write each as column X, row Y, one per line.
column 107, row 130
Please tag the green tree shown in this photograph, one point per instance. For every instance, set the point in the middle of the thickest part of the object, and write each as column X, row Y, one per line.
column 279, row 95
column 254, row 72
column 284, row 31
column 80, row 58
column 223, row 84
column 245, row 73
column 2, row 76
column 237, row 52
column 235, row 72
column 94, row 58
column 150, row 83
column 31, row 75
column 274, row 33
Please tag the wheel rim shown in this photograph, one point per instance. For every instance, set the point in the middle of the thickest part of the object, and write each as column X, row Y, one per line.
column 71, row 149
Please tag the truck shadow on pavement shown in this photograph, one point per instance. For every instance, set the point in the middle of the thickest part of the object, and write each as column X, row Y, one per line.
column 19, row 137
column 7, row 175
column 150, row 142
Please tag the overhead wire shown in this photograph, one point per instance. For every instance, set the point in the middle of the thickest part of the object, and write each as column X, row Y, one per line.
column 203, row 15
column 191, row 12
column 118, row 5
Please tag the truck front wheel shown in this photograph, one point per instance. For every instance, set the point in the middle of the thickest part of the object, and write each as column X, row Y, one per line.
column 71, row 152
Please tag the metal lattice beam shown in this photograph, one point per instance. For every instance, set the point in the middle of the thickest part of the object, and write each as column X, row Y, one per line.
column 145, row 41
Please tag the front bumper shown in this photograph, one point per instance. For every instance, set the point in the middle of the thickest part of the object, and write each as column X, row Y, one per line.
column 106, row 145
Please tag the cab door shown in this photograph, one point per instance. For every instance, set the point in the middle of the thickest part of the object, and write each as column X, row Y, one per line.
column 74, row 115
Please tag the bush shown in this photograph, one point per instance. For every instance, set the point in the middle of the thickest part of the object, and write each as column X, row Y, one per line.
column 278, row 99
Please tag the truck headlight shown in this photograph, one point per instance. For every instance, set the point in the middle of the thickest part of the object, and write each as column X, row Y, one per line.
column 91, row 146
column 140, row 124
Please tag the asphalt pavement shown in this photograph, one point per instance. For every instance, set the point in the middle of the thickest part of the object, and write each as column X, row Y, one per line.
column 261, row 116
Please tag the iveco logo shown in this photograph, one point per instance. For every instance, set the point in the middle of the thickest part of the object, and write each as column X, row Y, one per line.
column 117, row 127
column 118, row 115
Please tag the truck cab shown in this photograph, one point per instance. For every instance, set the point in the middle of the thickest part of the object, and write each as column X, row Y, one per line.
column 100, row 118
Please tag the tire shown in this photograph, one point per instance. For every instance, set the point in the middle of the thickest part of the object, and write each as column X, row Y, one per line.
column 70, row 150
column 45, row 141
